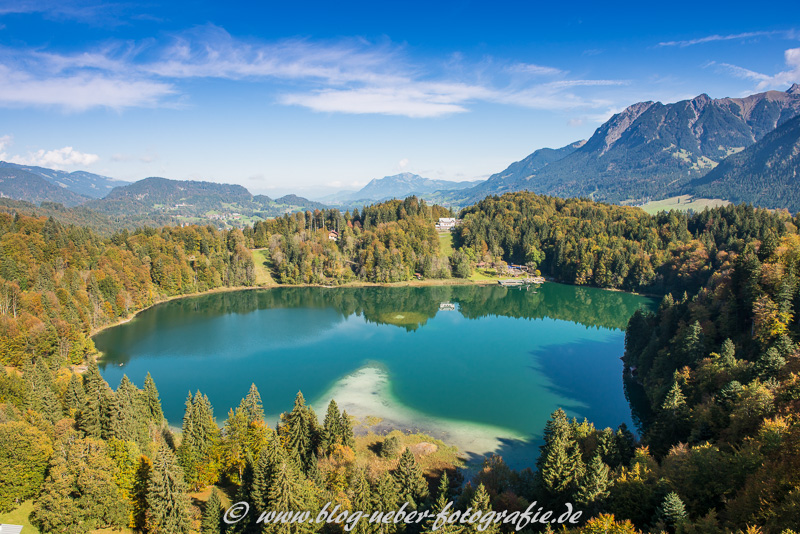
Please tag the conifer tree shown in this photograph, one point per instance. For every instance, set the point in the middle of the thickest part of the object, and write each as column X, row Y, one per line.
column 152, row 401
column 348, row 439
column 442, row 498
column 361, row 499
column 480, row 501
column 411, row 485
column 92, row 413
column 385, row 498
column 167, row 502
column 263, row 472
column 593, row 486
column 212, row 515
column 301, row 432
column 139, row 496
column 332, row 431
column 559, row 465
column 199, row 439
column 74, row 396
column 672, row 510
column 251, row 405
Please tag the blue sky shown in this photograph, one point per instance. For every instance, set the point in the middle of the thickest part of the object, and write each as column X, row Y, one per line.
column 307, row 97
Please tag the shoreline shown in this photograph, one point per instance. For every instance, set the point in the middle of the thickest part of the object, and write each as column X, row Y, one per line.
column 227, row 289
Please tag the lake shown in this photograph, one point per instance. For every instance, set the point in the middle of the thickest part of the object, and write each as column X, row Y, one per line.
column 481, row 367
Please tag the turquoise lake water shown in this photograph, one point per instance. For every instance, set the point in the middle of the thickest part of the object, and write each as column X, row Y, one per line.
column 460, row 359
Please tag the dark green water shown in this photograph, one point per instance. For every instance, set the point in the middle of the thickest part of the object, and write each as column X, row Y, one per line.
column 503, row 359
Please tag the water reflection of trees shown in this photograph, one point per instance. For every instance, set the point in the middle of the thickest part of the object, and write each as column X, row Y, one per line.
column 412, row 307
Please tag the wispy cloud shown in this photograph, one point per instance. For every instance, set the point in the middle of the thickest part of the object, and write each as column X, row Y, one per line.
column 770, row 81
column 537, row 70
column 716, row 37
column 345, row 76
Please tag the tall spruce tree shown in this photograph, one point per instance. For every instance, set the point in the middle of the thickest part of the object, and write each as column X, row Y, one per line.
column 348, row 439
column 251, row 405
column 360, row 494
column 301, row 431
column 442, row 498
column 332, row 431
column 481, row 502
column 199, row 439
column 75, row 396
column 672, row 510
column 212, row 515
column 152, row 401
column 411, row 485
column 167, row 502
column 92, row 413
column 594, row 485
column 559, row 465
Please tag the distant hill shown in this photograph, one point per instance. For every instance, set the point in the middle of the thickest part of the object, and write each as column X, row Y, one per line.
column 517, row 173
column 164, row 201
column 80, row 182
column 19, row 184
column 766, row 174
column 651, row 149
column 401, row 185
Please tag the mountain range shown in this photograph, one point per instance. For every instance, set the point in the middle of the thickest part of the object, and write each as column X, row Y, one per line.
column 738, row 149
column 764, row 174
column 396, row 186
column 80, row 182
column 649, row 150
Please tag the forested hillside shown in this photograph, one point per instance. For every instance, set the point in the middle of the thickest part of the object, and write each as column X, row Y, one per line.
column 765, row 174
column 713, row 374
column 59, row 283
column 386, row 242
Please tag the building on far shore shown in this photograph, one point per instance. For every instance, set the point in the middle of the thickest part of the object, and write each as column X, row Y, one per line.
column 447, row 223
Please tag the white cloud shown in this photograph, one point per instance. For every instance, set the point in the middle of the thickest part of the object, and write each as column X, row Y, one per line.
column 344, row 76
column 537, row 70
column 780, row 80
column 715, row 37
column 403, row 163
column 78, row 92
column 53, row 159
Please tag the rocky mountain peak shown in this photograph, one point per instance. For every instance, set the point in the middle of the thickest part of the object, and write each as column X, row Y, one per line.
column 794, row 89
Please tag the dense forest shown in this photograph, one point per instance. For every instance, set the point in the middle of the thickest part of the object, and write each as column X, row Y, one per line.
column 386, row 242
column 716, row 364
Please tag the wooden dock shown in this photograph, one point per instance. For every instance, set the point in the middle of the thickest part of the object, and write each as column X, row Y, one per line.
column 514, row 282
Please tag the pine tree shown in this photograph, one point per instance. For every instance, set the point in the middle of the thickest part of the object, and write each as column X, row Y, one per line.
column 361, row 500
column 92, row 413
column 727, row 354
column 212, row 514
column 332, row 431
column 672, row 510
column 301, row 431
column 199, row 441
column 674, row 401
column 385, row 498
column 442, row 498
column 412, row 487
column 75, row 396
column 167, row 502
column 251, row 405
column 481, row 502
column 559, row 465
column 152, row 401
column 593, row 486
column 263, row 471
column 348, row 439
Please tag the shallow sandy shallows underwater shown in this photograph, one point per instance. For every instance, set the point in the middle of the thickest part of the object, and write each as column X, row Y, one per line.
column 367, row 392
